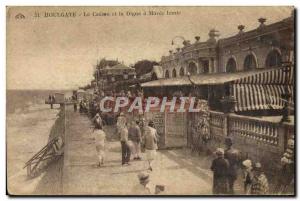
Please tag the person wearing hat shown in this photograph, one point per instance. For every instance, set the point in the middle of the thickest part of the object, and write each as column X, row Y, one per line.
column 260, row 184
column 142, row 125
column 287, row 171
column 134, row 135
column 248, row 175
column 220, row 167
column 149, row 143
column 144, row 186
column 125, row 148
column 232, row 155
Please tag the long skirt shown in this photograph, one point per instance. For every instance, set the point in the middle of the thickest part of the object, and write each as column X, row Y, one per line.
column 150, row 154
column 220, row 185
column 100, row 152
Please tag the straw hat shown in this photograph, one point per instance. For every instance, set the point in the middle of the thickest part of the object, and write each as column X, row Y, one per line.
column 219, row 151
column 247, row 163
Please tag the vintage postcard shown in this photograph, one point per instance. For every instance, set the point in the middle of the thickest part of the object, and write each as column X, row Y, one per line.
column 155, row 101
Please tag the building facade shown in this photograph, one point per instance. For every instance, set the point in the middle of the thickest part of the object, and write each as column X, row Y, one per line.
column 263, row 47
column 109, row 78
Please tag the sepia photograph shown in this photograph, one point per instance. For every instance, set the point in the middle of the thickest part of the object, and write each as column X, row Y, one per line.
column 150, row 101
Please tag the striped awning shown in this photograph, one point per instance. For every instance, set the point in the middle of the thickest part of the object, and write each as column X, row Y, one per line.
column 263, row 90
column 260, row 96
column 271, row 76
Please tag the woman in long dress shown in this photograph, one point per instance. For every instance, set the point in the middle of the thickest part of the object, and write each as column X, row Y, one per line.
column 100, row 144
column 149, row 142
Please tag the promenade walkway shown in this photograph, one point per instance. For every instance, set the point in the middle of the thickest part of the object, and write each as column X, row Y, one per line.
column 180, row 172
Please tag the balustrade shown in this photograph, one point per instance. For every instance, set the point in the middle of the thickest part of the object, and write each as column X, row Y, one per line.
column 255, row 129
column 217, row 119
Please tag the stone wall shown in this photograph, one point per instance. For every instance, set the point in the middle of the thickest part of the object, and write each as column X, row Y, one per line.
column 256, row 139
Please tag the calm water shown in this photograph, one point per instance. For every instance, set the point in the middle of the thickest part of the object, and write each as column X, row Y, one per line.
column 28, row 123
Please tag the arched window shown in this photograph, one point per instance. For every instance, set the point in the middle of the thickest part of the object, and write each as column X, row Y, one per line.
column 231, row 65
column 273, row 59
column 181, row 72
column 167, row 74
column 250, row 62
column 174, row 74
column 192, row 68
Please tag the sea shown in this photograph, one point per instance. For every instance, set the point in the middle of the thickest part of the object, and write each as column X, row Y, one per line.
column 28, row 124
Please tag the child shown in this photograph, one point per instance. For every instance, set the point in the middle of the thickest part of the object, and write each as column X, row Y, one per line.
column 248, row 175
column 260, row 184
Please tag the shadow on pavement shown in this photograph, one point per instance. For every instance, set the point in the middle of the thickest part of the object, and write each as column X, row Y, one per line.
column 192, row 166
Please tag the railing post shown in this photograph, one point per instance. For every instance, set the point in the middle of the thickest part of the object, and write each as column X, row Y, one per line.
column 226, row 125
column 282, row 135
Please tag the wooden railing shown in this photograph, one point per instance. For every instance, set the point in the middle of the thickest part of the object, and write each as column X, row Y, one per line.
column 40, row 160
column 255, row 129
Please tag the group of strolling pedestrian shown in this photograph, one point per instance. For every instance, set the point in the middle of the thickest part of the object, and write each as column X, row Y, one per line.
column 137, row 137
column 225, row 172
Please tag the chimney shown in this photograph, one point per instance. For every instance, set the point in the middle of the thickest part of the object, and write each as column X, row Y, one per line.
column 178, row 49
column 197, row 38
column 262, row 22
column 241, row 28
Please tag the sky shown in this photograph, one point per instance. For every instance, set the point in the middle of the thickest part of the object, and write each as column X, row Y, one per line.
column 61, row 52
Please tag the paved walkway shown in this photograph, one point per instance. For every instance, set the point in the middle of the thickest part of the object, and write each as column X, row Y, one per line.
column 180, row 172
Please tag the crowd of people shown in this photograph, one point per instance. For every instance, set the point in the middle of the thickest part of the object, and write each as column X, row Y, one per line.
column 137, row 137
column 225, row 172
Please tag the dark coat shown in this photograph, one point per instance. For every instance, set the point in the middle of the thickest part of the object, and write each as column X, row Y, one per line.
column 220, row 168
column 232, row 155
column 134, row 134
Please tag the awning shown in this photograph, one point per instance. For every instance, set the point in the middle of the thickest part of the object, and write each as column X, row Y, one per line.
column 264, row 90
column 259, row 89
column 258, row 76
column 260, row 96
column 268, row 76
column 167, row 82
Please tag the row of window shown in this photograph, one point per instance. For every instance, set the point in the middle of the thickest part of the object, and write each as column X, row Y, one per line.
column 174, row 73
column 273, row 60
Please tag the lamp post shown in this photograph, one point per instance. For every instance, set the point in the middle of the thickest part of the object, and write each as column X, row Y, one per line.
column 192, row 82
column 287, row 95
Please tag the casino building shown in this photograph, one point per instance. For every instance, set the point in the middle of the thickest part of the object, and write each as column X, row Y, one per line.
column 252, row 68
